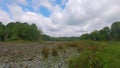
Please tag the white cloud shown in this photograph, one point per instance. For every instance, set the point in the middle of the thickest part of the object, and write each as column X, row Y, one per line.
column 78, row 16
column 87, row 15
column 38, row 3
column 41, row 21
column 64, row 2
column 22, row 1
column 4, row 17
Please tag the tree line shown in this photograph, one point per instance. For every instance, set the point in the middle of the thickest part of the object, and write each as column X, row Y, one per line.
column 19, row 31
column 105, row 34
column 29, row 32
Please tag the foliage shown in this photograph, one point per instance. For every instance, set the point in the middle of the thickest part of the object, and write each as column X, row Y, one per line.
column 45, row 51
column 45, row 37
column 19, row 31
column 60, row 46
column 115, row 31
column 24, row 31
column 86, row 60
column 54, row 51
column 106, row 33
column 72, row 44
column 101, row 55
column 2, row 32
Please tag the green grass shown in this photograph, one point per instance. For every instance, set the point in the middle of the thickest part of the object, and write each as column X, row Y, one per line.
column 97, row 55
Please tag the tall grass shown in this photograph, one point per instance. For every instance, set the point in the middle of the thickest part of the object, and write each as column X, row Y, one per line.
column 45, row 51
column 97, row 55
column 54, row 51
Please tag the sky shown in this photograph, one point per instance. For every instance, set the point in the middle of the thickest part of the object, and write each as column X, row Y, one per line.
column 60, row 18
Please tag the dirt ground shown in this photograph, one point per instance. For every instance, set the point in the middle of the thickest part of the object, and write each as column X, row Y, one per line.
column 28, row 55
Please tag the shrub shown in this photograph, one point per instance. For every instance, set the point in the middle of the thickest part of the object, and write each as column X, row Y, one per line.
column 54, row 51
column 45, row 52
column 72, row 44
column 60, row 47
column 80, row 48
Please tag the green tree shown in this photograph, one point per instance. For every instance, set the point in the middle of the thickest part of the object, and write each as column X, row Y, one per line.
column 95, row 35
column 115, row 31
column 105, row 34
column 22, row 31
column 2, row 32
column 85, row 36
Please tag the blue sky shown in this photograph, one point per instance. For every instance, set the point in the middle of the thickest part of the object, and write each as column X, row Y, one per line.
column 62, row 17
column 29, row 6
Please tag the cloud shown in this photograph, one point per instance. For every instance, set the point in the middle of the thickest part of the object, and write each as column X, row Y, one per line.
column 22, row 1
column 86, row 16
column 41, row 21
column 38, row 3
column 4, row 17
column 75, row 18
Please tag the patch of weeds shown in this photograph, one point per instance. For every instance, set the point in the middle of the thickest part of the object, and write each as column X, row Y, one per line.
column 54, row 51
column 60, row 47
column 80, row 48
column 84, row 60
column 72, row 44
column 97, row 56
column 45, row 51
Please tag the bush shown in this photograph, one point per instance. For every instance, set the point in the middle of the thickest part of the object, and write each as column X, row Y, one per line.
column 80, row 48
column 72, row 44
column 45, row 51
column 54, row 51
column 60, row 47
